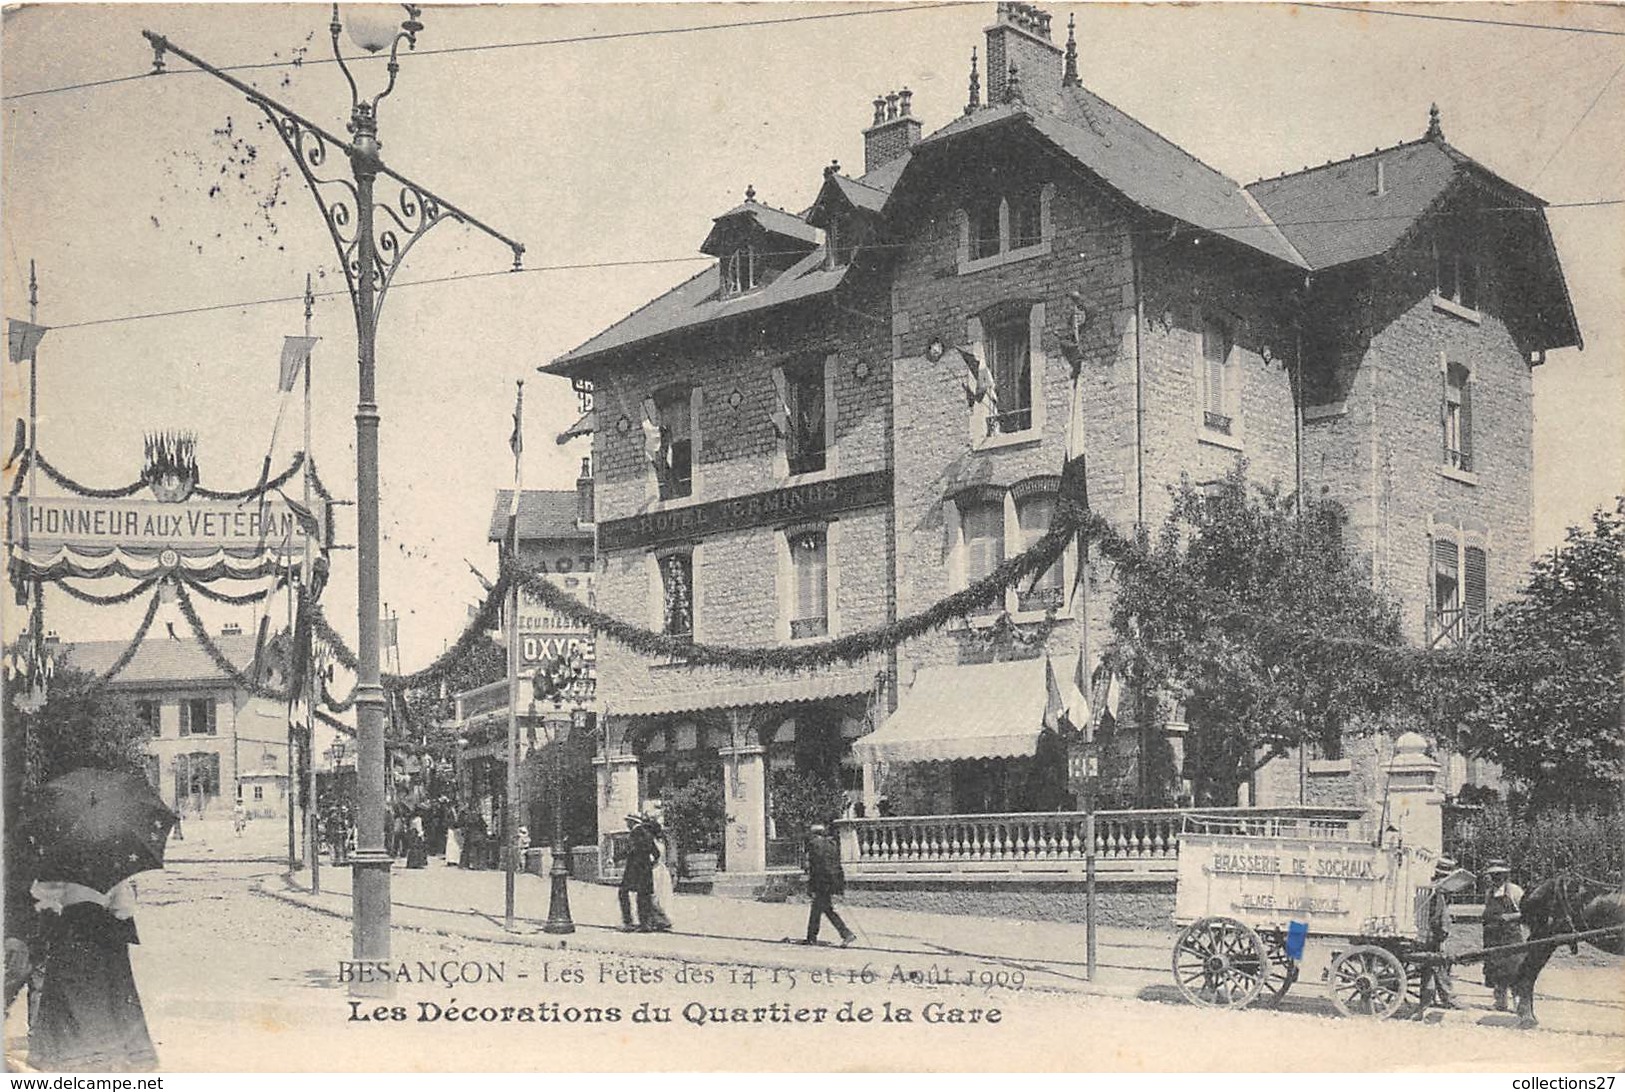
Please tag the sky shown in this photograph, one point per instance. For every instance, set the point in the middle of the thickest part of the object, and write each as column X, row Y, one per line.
column 168, row 193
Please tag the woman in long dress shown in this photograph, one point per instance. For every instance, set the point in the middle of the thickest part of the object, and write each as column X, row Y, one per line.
column 417, row 844
column 90, row 1017
column 454, row 842
column 663, row 885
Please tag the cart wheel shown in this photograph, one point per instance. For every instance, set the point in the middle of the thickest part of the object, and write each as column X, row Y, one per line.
column 1219, row 963
column 1283, row 969
column 1368, row 981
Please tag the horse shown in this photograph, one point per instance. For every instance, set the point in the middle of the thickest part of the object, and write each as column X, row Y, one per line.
column 1566, row 903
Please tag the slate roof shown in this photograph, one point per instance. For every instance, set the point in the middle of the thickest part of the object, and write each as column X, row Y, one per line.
column 771, row 220
column 162, row 660
column 1142, row 165
column 1332, row 213
column 543, row 514
column 696, row 302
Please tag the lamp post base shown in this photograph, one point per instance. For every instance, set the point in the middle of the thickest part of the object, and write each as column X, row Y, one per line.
column 558, row 902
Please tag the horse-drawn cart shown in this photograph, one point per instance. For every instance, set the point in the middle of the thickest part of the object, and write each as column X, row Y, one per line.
column 1250, row 894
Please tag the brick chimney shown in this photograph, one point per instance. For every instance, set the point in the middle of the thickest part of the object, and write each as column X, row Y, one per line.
column 1019, row 39
column 894, row 130
column 584, row 494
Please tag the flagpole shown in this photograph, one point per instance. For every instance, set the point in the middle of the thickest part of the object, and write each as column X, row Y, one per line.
column 510, row 834
column 313, row 848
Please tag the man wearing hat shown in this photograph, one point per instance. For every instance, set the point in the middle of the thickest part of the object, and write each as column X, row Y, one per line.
column 1503, row 905
column 825, row 880
column 1433, row 919
column 637, row 877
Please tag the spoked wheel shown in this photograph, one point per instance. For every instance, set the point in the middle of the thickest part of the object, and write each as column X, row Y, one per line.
column 1283, row 969
column 1368, row 981
column 1219, row 963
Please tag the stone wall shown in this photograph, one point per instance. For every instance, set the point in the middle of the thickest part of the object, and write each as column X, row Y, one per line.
column 1134, row 905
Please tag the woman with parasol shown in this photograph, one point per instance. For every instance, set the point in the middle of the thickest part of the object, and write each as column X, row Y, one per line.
column 88, row 833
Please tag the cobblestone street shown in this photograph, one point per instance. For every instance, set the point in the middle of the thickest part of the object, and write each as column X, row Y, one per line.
column 238, row 974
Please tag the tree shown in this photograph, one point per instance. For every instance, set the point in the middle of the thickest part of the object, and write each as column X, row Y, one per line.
column 695, row 814
column 83, row 723
column 1542, row 687
column 1252, row 613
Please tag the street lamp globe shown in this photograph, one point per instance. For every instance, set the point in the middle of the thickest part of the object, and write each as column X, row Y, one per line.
column 373, row 26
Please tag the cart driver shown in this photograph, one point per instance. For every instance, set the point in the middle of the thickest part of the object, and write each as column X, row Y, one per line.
column 1433, row 919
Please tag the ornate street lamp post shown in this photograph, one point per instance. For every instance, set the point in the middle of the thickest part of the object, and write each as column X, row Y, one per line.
column 371, row 241
column 551, row 685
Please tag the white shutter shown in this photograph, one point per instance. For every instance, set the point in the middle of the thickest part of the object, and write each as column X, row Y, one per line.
column 832, row 570
column 784, row 586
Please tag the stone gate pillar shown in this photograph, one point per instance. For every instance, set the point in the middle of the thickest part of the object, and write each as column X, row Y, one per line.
column 617, row 777
column 744, row 779
column 1415, row 803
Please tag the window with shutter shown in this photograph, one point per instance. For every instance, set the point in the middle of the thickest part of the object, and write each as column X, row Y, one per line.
column 1217, row 397
column 1009, row 347
column 1477, row 595
column 1457, row 418
column 809, row 568
column 804, row 397
column 1444, row 614
column 677, row 584
column 1033, row 514
column 677, row 442
column 982, row 525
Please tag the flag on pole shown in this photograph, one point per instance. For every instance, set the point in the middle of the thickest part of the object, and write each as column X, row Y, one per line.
column 308, row 523
column 1074, row 704
column 1054, row 700
column 781, row 407
column 517, row 442
column 979, row 383
column 1072, row 499
column 295, row 355
column 388, row 632
column 24, row 338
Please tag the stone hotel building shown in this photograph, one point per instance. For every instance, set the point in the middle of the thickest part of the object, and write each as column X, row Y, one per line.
column 862, row 406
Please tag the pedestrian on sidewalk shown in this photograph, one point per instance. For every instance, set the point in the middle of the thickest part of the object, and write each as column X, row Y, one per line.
column 239, row 818
column 637, row 877
column 825, row 880
column 661, row 884
column 1503, row 913
column 90, row 1017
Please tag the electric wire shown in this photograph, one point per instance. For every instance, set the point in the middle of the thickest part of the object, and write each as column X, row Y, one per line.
column 1603, row 90
column 1466, row 19
column 578, row 39
column 628, row 262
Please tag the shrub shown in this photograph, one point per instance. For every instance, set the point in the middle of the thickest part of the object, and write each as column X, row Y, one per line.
column 1540, row 845
column 802, row 799
column 695, row 815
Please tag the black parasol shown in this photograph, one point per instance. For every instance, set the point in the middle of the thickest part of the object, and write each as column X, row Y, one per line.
column 96, row 828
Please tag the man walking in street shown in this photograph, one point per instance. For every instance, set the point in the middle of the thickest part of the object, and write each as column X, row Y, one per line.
column 825, row 880
column 1503, row 906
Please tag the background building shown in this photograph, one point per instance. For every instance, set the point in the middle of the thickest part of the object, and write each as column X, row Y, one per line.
column 213, row 742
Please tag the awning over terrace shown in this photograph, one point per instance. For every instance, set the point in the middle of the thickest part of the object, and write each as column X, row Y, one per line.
column 968, row 711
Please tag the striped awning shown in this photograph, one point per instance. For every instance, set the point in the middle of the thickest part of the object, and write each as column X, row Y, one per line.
column 699, row 695
column 963, row 711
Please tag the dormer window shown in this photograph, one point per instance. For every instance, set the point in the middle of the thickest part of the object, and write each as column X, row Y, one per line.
column 739, row 271
column 1006, row 226
column 1456, row 274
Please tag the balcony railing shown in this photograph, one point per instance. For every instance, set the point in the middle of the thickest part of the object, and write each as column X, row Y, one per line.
column 1454, row 627
column 1137, row 844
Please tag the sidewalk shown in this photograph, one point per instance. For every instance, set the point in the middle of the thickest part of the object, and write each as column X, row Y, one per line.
column 1131, row 963
column 711, row 929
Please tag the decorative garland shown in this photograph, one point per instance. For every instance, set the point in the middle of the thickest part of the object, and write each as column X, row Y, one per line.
column 337, row 706
column 84, row 490
column 106, row 600
column 221, row 661
column 129, row 652
column 334, row 723
column 243, row 600
column 73, row 486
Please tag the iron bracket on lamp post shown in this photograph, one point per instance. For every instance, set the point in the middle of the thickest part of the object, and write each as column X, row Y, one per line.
column 371, row 240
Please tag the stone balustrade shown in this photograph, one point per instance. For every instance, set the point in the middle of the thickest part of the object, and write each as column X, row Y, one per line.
column 1129, row 845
